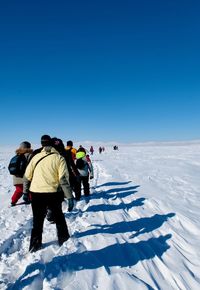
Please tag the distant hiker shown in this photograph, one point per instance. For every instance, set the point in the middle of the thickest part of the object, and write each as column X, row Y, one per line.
column 88, row 158
column 17, row 168
column 85, row 168
column 44, row 175
column 100, row 150
column 91, row 150
column 71, row 149
column 115, row 147
column 103, row 149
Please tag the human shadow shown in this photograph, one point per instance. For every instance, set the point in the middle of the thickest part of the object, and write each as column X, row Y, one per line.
column 149, row 224
column 114, row 192
column 128, row 255
column 121, row 194
column 110, row 207
column 113, row 184
column 140, row 226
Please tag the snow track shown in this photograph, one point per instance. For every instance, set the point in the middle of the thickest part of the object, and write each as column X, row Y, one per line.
column 137, row 230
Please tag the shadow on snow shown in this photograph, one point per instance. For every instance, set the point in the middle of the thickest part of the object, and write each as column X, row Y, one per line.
column 114, row 192
column 113, row 183
column 140, row 226
column 9, row 246
column 110, row 207
column 128, row 254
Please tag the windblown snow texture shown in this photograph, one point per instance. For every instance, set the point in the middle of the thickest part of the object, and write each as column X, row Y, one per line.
column 138, row 230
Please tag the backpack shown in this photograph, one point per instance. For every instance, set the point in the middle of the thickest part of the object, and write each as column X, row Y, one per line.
column 80, row 163
column 17, row 165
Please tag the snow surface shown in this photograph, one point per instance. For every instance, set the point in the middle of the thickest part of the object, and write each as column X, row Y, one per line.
column 138, row 230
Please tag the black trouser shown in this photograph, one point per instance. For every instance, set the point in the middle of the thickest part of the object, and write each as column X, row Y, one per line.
column 86, row 187
column 74, row 183
column 40, row 203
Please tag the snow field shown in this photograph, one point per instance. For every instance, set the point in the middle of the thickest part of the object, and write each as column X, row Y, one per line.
column 138, row 230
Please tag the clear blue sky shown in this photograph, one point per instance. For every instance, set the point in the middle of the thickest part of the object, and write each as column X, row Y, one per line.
column 99, row 70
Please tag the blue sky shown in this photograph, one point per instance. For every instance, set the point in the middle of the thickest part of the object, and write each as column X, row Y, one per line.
column 99, row 70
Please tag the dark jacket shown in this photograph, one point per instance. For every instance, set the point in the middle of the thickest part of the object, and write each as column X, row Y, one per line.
column 28, row 154
column 70, row 163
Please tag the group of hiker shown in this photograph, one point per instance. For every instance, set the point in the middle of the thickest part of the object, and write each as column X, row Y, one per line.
column 45, row 177
column 101, row 149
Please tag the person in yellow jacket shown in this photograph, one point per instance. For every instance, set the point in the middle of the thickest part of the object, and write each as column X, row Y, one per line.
column 71, row 148
column 46, row 179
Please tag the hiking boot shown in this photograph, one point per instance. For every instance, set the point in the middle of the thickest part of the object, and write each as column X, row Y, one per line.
column 35, row 243
column 62, row 240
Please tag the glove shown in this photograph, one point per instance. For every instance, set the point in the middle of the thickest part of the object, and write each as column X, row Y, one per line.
column 26, row 198
column 91, row 176
column 70, row 204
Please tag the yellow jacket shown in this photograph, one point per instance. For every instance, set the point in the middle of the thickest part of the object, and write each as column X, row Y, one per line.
column 73, row 151
column 49, row 173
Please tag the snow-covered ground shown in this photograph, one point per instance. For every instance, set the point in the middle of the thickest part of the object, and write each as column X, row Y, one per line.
column 138, row 230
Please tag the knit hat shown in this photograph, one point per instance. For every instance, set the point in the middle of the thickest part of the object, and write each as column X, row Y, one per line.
column 80, row 155
column 46, row 140
column 69, row 143
column 25, row 145
column 58, row 144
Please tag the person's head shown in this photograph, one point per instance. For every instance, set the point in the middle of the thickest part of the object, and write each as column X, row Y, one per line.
column 58, row 144
column 25, row 145
column 46, row 140
column 81, row 149
column 70, row 143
